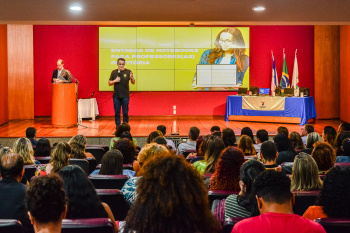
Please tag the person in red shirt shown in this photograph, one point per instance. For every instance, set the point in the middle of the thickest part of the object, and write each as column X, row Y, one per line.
column 275, row 203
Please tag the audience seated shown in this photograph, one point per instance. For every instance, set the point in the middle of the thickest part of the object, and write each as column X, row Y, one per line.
column 46, row 203
column 329, row 135
column 324, row 156
column 334, row 199
column 112, row 164
column 269, row 154
column 228, row 137
column 214, row 148
column 343, row 127
column 193, row 135
column 339, row 141
column 31, row 135
column 153, row 135
column 171, row 197
column 226, row 174
column 216, row 131
column 148, row 151
column 162, row 128
column 247, row 131
column 310, row 141
column 12, row 192
column 43, row 148
column 23, row 147
column 283, row 130
column 344, row 152
column 59, row 159
column 246, row 145
column 243, row 204
column 284, row 148
column 83, row 201
column 261, row 136
column 128, row 150
column 275, row 203
column 305, row 174
column 121, row 128
column 305, row 131
column 296, row 141
column 78, row 146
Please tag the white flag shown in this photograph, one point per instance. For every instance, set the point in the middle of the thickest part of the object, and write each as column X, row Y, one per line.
column 274, row 81
column 295, row 77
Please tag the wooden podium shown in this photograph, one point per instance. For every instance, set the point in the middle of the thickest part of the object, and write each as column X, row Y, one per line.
column 64, row 105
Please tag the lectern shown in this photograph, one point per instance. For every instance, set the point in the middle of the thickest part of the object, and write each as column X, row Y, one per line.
column 64, row 105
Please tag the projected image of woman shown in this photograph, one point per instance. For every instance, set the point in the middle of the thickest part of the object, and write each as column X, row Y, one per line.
column 229, row 49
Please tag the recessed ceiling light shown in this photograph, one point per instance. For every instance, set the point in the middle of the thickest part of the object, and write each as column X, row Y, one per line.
column 75, row 8
column 259, row 8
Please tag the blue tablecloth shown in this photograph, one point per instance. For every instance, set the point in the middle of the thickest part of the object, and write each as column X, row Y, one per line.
column 303, row 107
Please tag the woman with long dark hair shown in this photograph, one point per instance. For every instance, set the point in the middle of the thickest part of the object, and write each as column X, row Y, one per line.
column 284, row 148
column 43, row 148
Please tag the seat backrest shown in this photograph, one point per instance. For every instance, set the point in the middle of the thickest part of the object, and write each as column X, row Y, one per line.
column 116, row 201
column 219, row 195
column 108, row 181
column 335, row 225
column 342, row 164
column 89, row 225
column 97, row 152
column 303, row 200
column 92, row 164
column 43, row 160
column 10, row 226
column 83, row 163
column 128, row 166
column 229, row 224
column 29, row 171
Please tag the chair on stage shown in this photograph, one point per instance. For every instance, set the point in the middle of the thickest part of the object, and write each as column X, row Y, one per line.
column 335, row 225
column 219, row 195
column 83, row 163
column 10, row 226
column 29, row 170
column 116, row 201
column 89, row 225
column 97, row 152
column 229, row 224
column 303, row 200
column 108, row 181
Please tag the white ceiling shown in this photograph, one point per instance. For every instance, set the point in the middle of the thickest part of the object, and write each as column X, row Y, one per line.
column 176, row 12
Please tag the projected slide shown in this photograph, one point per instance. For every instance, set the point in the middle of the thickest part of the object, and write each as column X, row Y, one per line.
column 166, row 58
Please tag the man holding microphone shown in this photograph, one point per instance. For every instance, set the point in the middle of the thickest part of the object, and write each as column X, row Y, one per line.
column 120, row 79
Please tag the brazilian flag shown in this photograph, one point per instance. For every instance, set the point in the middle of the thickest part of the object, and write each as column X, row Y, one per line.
column 285, row 77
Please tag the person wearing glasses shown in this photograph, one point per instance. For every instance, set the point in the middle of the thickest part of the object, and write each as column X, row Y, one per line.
column 120, row 80
column 61, row 75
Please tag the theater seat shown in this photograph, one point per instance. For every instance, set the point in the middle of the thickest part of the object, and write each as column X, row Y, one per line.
column 97, row 152
column 108, row 181
column 219, row 195
column 116, row 201
column 29, row 171
column 342, row 164
column 229, row 224
column 83, row 163
column 303, row 200
column 10, row 226
column 187, row 152
column 335, row 225
column 43, row 160
column 89, row 225
column 92, row 164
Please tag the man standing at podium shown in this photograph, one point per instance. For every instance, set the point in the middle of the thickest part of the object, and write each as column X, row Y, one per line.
column 61, row 75
column 120, row 79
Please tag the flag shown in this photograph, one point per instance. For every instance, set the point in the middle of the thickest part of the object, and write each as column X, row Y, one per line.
column 285, row 77
column 295, row 77
column 274, row 80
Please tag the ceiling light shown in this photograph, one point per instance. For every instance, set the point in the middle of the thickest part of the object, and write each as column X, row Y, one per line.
column 75, row 8
column 259, row 8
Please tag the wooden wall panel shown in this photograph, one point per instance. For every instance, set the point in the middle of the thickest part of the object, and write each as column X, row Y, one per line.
column 3, row 75
column 327, row 71
column 20, row 71
column 345, row 73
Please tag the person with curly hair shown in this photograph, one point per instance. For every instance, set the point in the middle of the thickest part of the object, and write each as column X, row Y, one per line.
column 83, row 201
column 148, row 151
column 284, row 148
column 296, row 141
column 243, row 204
column 46, row 203
column 305, row 174
column 59, row 159
column 226, row 174
column 333, row 199
column 78, row 146
column 123, row 127
column 329, row 135
column 228, row 137
column 127, row 148
column 24, row 147
column 275, row 203
column 43, row 148
column 324, row 156
column 172, row 198
column 214, row 148
column 246, row 145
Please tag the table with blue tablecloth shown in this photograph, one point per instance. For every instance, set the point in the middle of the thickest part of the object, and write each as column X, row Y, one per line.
column 301, row 107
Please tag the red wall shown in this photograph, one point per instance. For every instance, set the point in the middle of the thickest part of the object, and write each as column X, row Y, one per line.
column 78, row 47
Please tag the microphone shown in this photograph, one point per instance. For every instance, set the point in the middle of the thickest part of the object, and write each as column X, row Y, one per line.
column 93, row 93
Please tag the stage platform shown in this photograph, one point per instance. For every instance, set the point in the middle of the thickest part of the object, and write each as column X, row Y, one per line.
column 100, row 131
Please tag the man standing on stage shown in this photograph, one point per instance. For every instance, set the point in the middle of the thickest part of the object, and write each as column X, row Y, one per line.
column 120, row 79
column 61, row 75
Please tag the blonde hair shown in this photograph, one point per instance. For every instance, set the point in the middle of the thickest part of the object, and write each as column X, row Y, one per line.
column 246, row 145
column 305, row 174
column 78, row 145
column 151, row 150
column 60, row 156
column 24, row 147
